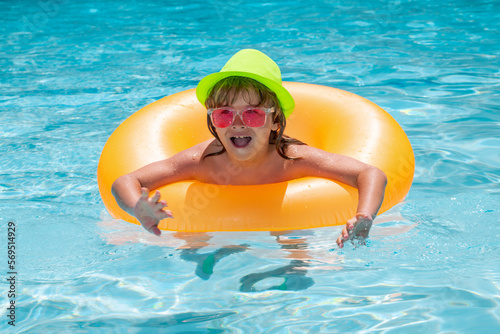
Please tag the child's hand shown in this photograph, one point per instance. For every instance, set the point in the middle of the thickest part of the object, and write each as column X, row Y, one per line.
column 149, row 211
column 357, row 227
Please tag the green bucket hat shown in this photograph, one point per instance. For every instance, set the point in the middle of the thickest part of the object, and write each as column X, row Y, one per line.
column 252, row 64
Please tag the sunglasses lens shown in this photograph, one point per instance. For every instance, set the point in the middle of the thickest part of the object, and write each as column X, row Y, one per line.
column 222, row 118
column 254, row 117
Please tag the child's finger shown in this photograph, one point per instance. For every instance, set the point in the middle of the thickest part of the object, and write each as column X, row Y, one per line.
column 345, row 233
column 349, row 227
column 161, row 204
column 165, row 214
column 155, row 230
column 350, row 223
column 144, row 193
column 340, row 242
column 156, row 197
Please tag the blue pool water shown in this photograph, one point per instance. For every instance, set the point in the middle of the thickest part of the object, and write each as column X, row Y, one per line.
column 72, row 71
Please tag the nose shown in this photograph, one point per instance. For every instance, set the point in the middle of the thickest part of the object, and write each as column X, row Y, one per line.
column 238, row 122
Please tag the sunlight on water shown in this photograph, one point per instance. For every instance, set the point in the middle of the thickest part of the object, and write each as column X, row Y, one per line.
column 73, row 71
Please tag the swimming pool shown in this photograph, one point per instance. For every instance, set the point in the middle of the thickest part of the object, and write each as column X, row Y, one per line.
column 71, row 72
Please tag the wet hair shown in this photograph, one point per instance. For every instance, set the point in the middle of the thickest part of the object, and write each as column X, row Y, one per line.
column 225, row 92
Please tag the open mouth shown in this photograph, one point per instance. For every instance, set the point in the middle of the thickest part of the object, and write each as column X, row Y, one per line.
column 241, row 141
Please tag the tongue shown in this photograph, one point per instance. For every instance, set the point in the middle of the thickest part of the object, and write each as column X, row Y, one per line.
column 241, row 142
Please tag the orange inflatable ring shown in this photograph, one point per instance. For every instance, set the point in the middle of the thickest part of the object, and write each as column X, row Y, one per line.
column 324, row 117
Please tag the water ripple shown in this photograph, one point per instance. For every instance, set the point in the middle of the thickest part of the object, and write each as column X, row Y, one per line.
column 72, row 71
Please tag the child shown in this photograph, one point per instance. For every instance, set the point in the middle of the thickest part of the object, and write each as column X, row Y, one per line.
column 247, row 108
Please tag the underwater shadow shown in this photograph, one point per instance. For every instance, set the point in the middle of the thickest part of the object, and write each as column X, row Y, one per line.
column 293, row 274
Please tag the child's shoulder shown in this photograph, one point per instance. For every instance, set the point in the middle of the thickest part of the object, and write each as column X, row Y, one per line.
column 195, row 154
column 309, row 158
column 303, row 151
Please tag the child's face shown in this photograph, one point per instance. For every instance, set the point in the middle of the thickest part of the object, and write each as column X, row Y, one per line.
column 244, row 143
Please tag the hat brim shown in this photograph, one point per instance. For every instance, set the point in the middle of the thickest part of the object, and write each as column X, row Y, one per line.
column 206, row 84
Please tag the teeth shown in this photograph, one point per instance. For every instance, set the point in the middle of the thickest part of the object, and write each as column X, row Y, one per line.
column 240, row 136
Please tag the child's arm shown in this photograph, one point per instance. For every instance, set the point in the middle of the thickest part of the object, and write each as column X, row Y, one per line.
column 135, row 200
column 131, row 191
column 370, row 182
